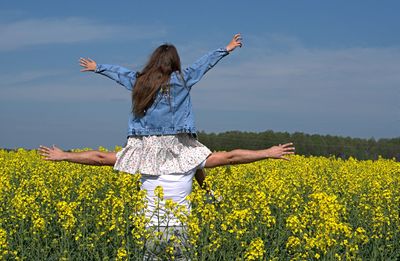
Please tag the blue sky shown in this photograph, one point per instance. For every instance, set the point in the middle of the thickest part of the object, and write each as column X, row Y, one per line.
column 323, row 67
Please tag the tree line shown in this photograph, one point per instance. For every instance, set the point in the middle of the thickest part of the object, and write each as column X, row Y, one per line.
column 306, row 144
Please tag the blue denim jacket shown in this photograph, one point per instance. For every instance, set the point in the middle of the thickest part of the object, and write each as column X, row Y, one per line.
column 168, row 115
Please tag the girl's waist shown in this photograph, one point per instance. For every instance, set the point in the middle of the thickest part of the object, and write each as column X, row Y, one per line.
column 162, row 131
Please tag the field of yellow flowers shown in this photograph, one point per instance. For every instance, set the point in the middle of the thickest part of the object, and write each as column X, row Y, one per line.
column 309, row 208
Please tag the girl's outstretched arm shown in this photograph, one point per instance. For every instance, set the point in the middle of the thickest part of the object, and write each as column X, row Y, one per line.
column 240, row 156
column 195, row 72
column 92, row 157
column 121, row 75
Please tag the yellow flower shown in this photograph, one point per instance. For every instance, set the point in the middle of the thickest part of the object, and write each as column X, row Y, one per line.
column 256, row 250
column 318, row 207
column 159, row 192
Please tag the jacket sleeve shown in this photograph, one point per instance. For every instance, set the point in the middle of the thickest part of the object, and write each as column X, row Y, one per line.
column 195, row 72
column 117, row 73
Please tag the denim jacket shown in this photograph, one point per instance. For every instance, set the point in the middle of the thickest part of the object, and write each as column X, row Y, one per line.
column 169, row 114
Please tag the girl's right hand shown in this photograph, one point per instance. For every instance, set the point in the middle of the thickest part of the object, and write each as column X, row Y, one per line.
column 236, row 41
column 88, row 64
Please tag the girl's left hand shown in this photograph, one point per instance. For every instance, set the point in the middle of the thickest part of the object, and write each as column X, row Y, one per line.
column 88, row 64
column 236, row 41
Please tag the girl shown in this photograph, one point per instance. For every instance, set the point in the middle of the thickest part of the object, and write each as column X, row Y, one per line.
column 161, row 132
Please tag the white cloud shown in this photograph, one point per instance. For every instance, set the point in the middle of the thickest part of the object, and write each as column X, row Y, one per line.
column 359, row 79
column 27, row 76
column 68, row 89
column 68, row 30
column 353, row 91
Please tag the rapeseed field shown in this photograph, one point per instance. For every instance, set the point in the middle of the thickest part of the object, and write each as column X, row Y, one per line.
column 308, row 208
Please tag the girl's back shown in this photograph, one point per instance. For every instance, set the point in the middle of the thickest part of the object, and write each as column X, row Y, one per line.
column 171, row 109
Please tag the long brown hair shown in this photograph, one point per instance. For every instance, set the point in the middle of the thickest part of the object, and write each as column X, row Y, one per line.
column 155, row 75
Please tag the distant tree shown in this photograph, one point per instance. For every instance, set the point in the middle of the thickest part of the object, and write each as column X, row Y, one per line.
column 306, row 144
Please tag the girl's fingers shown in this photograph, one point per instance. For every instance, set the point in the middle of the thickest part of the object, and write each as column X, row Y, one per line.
column 89, row 60
column 236, row 38
column 85, row 63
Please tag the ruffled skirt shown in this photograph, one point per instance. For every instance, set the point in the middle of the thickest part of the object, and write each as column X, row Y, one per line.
column 160, row 155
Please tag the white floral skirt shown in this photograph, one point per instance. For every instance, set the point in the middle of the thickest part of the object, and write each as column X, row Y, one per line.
column 160, row 155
